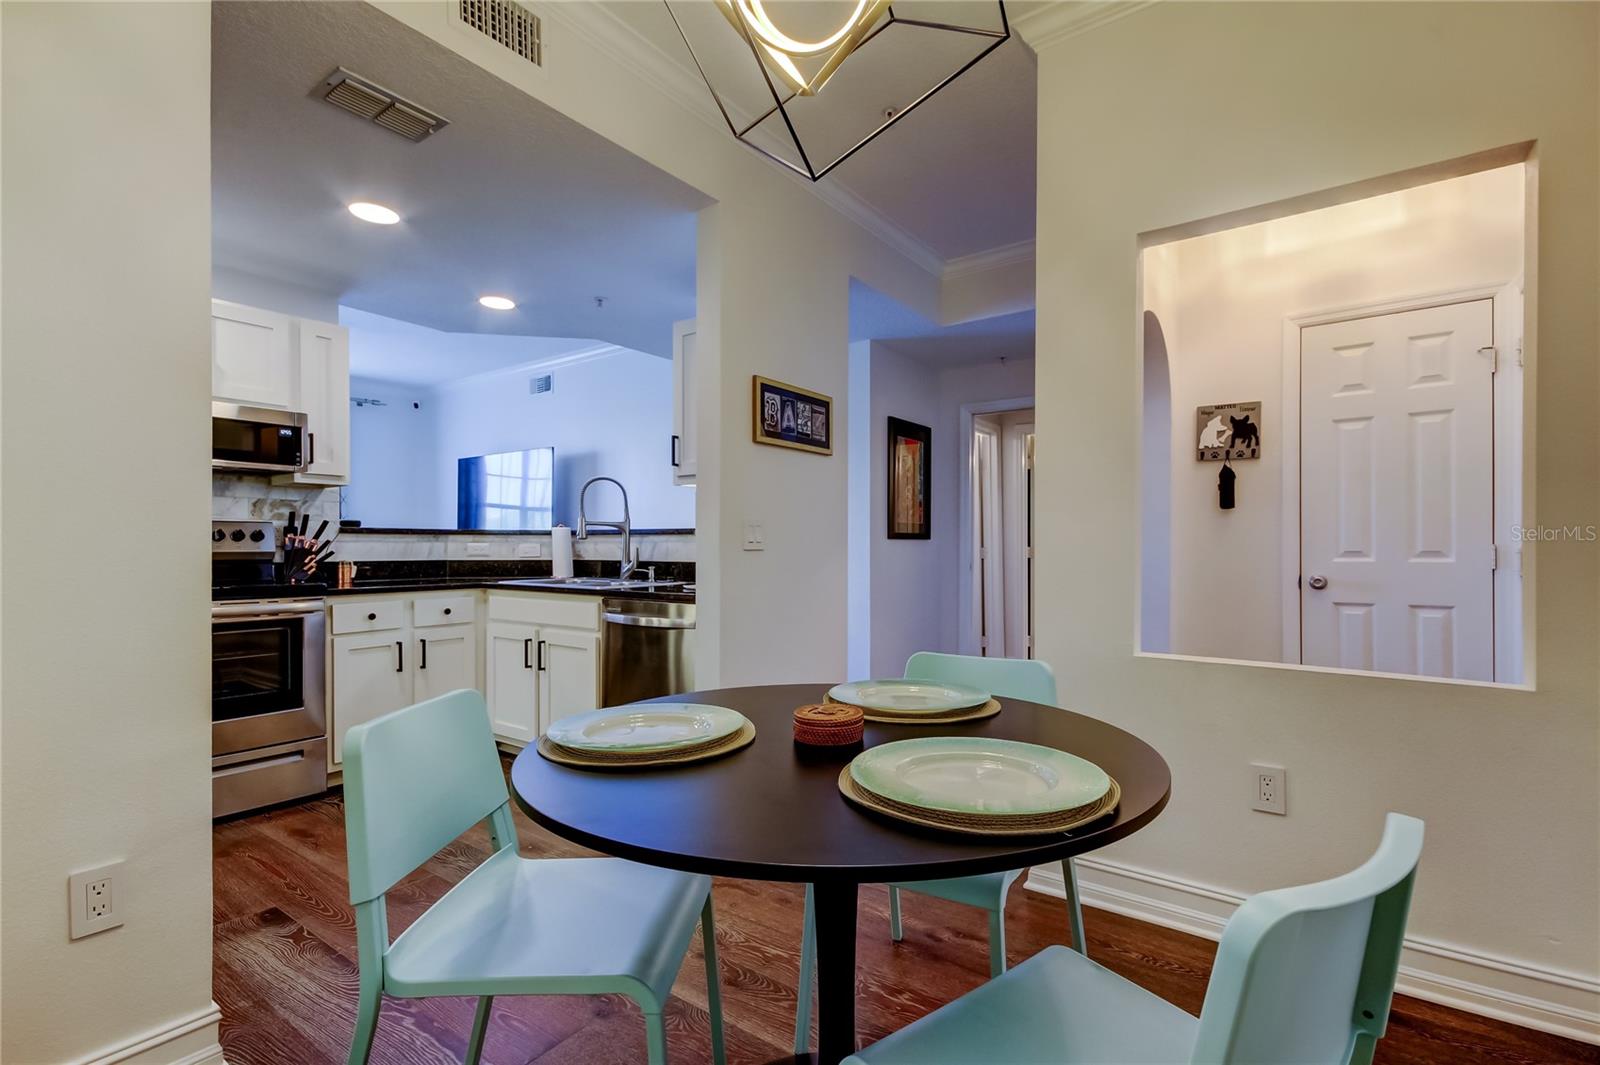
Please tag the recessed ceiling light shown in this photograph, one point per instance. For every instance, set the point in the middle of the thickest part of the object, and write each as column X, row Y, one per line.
column 498, row 303
column 375, row 213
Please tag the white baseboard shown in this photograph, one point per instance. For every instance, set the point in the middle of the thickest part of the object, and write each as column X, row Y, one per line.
column 1516, row 992
column 188, row 1040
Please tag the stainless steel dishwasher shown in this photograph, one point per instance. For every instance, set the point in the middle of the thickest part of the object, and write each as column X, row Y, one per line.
column 646, row 649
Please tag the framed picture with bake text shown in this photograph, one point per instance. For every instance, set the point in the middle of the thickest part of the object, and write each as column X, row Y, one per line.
column 789, row 416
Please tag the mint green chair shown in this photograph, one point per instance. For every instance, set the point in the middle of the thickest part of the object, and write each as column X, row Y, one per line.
column 416, row 779
column 1010, row 678
column 1304, row 975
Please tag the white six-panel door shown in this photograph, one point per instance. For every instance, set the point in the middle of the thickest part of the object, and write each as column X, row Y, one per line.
column 1397, row 492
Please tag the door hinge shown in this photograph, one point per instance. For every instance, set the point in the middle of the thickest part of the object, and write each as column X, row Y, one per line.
column 1494, row 357
column 1494, row 557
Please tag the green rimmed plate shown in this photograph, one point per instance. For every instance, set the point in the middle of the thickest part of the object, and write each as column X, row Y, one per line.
column 908, row 696
column 979, row 775
column 643, row 727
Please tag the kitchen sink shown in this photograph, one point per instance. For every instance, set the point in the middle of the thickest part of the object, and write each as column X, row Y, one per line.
column 599, row 584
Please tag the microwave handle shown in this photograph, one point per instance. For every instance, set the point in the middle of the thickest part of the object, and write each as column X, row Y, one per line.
column 312, row 440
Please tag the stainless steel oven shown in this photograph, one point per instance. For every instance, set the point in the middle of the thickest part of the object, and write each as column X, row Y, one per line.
column 268, row 707
column 257, row 438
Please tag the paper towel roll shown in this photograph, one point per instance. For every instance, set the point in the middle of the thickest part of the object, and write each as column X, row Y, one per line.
column 561, row 551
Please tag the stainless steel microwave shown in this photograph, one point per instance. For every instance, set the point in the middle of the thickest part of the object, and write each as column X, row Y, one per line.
column 256, row 438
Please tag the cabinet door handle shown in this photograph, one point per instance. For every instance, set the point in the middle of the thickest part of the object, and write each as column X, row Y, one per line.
column 541, row 656
column 446, row 611
column 423, row 664
column 312, row 437
column 675, row 449
column 399, row 656
column 527, row 653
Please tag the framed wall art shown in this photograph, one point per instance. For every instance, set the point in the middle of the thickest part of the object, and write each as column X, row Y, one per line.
column 786, row 416
column 910, row 480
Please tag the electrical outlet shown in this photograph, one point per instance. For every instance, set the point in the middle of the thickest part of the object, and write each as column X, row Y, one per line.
column 476, row 549
column 529, row 550
column 1269, row 785
column 94, row 900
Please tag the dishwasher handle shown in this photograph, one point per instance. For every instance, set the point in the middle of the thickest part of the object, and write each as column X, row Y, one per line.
column 646, row 622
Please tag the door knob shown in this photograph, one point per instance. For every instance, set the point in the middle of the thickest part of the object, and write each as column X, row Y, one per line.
column 1318, row 583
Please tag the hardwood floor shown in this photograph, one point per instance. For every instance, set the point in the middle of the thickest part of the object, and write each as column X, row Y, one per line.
column 285, row 971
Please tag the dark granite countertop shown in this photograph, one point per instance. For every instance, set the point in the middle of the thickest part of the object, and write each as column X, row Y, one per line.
column 423, row 584
column 433, row 575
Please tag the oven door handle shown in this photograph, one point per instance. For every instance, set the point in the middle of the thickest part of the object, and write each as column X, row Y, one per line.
column 264, row 611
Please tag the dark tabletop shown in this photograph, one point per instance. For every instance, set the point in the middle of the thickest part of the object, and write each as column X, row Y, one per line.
column 773, row 810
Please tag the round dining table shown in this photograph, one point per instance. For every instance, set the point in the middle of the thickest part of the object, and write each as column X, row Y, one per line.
column 773, row 811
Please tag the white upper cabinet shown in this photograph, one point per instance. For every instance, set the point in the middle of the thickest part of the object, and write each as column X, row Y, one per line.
column 685, row 444
column 252, row 356
column 323, row 379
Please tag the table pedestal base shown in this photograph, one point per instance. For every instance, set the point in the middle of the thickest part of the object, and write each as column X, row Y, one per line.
column 836, row 972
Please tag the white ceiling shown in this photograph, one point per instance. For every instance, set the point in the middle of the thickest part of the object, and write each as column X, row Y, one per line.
column 387, row 349
column 510, row 198
column 874, row 316
column 956, row 175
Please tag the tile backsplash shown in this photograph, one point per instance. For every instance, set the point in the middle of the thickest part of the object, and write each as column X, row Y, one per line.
column 241, row 497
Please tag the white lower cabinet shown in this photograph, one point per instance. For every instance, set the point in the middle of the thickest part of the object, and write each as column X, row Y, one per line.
column 370, row 679
column 511, row 680
column 536, row 658
column 446, row 659
column 570, row 680
column 542, row 661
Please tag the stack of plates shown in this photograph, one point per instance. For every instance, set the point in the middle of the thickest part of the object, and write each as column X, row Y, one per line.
column 646, row 734
column 980, row 786
column 915, row 702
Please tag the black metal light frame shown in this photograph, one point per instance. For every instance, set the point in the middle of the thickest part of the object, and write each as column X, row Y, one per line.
column 780, row 102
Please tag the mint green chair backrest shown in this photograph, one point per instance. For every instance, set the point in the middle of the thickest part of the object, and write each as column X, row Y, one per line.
column 1009, row 678
column 1306, row 974
column 413, row 781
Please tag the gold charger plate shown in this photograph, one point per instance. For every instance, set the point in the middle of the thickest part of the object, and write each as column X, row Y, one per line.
column 978, row 825
column 589, row 760
column 949, row 717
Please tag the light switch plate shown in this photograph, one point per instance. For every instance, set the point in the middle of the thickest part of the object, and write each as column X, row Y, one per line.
column 755, row 536
column 95, row 900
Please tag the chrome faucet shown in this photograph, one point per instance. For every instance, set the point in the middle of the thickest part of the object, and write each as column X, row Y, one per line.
column 625, row 526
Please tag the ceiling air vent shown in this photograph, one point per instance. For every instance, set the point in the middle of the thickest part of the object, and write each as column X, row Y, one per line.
column 538, row 386
column 374, row 103
column 507, row 24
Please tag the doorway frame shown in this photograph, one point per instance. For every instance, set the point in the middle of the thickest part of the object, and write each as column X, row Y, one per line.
column 1507, row 337
column 967, row 633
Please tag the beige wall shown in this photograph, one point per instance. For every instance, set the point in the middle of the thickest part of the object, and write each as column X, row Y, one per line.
column 1184, row 111
column 103, row 429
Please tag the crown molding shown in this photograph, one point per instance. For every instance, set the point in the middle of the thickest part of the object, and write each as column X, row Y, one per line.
column 609, row 34
column 993, row 259
column 1049, row 24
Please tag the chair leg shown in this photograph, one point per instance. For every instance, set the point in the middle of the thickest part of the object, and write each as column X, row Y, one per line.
column 708, row 933
column 808, row 960
column 997, row 942
column 366, row 1022
column 1069, row 881
column 480, row 1025
column 896, row 933
column 655, row 1034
